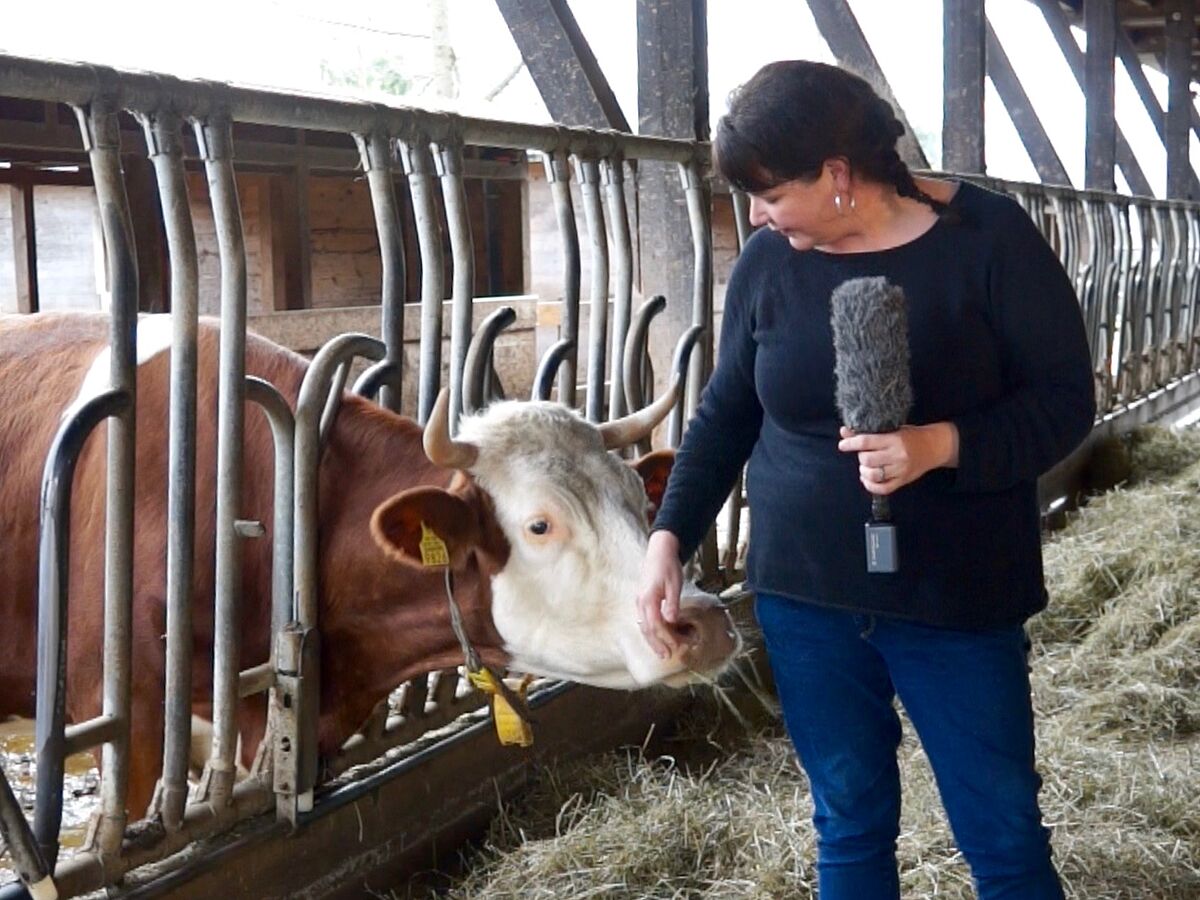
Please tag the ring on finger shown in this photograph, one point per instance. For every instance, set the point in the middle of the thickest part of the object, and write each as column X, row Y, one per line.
column 880, row 474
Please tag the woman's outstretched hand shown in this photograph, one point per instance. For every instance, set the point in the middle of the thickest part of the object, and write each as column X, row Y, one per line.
column 658, row 592
column 887, row 462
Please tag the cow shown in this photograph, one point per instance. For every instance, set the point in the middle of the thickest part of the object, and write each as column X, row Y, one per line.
column 544, row 529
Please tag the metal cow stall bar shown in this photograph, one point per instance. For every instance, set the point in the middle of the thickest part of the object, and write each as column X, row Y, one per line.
column 427, row 149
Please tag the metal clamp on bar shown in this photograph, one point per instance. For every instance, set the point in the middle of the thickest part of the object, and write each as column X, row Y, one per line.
column 448, row 157
column 588, row 173
column 558, row 175
column 612, row 170
column 294, row 703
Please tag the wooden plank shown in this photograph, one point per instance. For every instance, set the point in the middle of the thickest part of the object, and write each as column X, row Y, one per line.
column 1100, row 144
column 562, row 64
column 1029, row 127
column 849, row 46
column 963, row 67
column 1057, row 21
column 1180, row 31
column 303, row 251
column 272, row 247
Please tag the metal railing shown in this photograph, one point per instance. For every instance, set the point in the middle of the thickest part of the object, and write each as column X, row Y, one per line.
column 393, row 142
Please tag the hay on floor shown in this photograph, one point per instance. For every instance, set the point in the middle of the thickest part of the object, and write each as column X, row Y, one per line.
column 722, row 811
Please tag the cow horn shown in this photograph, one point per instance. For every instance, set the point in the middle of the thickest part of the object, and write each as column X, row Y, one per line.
column 442, row 449
column 635, row 426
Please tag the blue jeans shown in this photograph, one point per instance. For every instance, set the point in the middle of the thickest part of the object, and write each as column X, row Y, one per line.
column 967, row 694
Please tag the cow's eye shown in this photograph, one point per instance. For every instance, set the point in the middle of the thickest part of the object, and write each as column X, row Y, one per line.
column 539, row 527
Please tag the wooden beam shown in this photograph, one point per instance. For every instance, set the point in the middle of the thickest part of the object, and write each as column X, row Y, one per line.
column 964, row 30
column 562, row 64
column 24, row 246
column 300, row 249
column 1100, row 141
column 1029, row 127
column 849, row 46
column 672, row 39
column 1181, row 29
column 1056, row 20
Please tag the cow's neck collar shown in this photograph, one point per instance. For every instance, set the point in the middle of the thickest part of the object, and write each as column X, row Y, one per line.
column 509, row 711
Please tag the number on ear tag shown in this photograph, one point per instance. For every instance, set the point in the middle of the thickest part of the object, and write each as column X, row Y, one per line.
column 433, row 548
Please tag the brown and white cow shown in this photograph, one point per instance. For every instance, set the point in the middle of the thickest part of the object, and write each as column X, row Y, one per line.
column 546, row 530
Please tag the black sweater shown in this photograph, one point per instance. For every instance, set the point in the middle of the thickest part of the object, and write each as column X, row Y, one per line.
column 997, row 347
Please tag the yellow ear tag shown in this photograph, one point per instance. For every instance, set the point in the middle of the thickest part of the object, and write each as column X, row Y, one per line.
column 510, row 728
column 433, row 548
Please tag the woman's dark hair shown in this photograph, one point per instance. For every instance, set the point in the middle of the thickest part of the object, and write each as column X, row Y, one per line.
column 793, row 115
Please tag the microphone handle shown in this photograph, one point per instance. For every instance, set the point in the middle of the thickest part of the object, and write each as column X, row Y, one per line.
column 881, row 510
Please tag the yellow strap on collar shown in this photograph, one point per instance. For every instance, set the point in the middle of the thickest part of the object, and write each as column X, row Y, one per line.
column 510, row 727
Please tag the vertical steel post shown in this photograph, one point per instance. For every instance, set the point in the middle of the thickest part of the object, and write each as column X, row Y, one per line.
column 418, row 163
column 612, row 169
column 699, row 202
column 102, row 140
column 593, row 211
column 1100, row 150
column 214, row 136
column 162, row 130
column 558, row 174
column 1180, row 28
column 375, row 151
column 449, row 163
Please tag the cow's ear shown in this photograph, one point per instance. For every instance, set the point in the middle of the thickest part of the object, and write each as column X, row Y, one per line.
column 655, row 469
column 413, row 526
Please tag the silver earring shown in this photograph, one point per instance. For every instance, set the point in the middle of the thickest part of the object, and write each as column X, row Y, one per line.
column 837, row 202
column 852, row 203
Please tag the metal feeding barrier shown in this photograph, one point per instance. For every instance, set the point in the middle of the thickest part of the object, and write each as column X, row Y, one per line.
column 1135, row 263
column 427, row 149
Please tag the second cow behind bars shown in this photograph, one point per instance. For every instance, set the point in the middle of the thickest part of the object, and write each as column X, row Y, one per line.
column 545, row 531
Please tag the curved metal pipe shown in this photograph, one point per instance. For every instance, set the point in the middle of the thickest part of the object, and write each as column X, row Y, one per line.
column 679, row 366
column 479, row 357
column 418, row 163
column 214, row 137
column 375, row 151
column 741, row 217
column 462, row 252
column 101, row 134
column 543, row 381
column 163, row 139
column 593, row 210
column 369, row 382
column 333, row 401
column 613, row 171
column 699, row 202
column 637, row 357
column 283, row 431
column 558, row 174
column 54, row 579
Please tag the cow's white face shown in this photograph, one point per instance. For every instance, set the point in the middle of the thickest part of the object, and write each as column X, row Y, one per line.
column 575, row 516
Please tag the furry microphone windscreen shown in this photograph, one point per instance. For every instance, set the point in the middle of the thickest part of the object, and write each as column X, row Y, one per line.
column 870, row 343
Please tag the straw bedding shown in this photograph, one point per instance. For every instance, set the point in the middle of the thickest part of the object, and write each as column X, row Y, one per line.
column 721, row 810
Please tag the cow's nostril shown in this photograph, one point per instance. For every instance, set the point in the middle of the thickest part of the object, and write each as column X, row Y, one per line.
column 687, row 632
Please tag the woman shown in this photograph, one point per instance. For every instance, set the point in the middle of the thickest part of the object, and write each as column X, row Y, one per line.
column 1002, row 389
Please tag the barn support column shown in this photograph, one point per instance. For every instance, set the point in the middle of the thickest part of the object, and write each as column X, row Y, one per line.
column 562, row 64
column 1180, row 30
column 672, row 102
column 24, row 246
column 1029, row 127
column 1100, row 22
column 1133, row 65
column 963, row 66
column 849, row 46
column 1057, row 22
